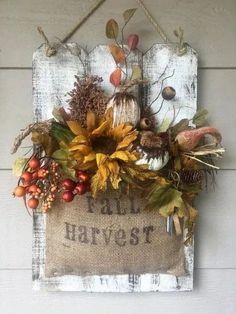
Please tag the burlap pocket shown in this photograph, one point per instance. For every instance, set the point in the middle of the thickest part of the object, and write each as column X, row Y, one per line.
column 107, row 236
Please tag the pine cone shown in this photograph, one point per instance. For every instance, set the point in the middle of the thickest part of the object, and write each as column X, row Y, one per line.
column 191, row 176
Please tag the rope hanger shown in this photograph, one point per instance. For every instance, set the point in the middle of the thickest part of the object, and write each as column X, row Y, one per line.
column 51, row 50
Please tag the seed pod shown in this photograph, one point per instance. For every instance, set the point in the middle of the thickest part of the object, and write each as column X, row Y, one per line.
column 145, row 124
column 125, row 109
column 168, row 93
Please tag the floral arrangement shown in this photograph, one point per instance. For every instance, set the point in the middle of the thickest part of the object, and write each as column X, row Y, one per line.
column 103, row 142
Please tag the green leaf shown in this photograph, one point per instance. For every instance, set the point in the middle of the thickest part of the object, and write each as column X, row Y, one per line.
column 136, row 72
column 18, row 166
column 112, row 29
column 62, row 157
column 166, row 199
column 199, row 118
column 128, row 14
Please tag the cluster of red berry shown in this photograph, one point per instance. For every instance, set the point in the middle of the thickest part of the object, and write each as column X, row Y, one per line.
column 73, row 188
column 41, row 181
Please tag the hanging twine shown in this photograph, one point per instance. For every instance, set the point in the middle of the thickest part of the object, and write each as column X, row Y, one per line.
column 84, row 19
column 50, row 50
column 153, row 22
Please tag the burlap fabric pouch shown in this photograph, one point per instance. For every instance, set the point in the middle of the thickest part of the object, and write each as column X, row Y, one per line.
column 107, row 236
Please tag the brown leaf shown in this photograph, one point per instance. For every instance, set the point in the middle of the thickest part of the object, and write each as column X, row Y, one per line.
column 128, row 14
column 117, row 53
column 115, row 77
column 112, row 29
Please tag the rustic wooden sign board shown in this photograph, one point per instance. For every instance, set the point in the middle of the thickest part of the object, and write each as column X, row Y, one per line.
column 53, row 77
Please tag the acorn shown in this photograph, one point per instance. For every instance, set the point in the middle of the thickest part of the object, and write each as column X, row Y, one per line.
column 168, row 93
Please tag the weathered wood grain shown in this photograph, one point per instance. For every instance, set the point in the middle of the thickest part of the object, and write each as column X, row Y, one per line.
column 214, row 294
column 52, row 77
column 210, row 26
column 163, row 66
column 213, row 93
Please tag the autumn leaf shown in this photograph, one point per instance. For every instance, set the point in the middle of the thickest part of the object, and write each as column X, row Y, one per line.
column 112, row 29
column 115, row 77
column 136, row 72
column 128, row 14
column 199, row 118
column 18, row 166
column 166, row 199
column 118, row 54
column 48, row 143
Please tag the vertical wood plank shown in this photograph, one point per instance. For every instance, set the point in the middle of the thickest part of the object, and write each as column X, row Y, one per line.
column 53, row 77
column 163, row 67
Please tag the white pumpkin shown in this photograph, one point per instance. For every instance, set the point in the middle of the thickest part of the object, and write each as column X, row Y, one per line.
column 125, row 108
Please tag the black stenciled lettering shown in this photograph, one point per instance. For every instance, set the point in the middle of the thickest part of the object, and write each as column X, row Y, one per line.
column 120, row 210
column 120, row 237
column 83, row 234
column 106, row 207
column 91, row 204
column 107, row 235
column 147, row 230
column 133, row 208
column 95, row 231
column 70, row 231
column 134, row 240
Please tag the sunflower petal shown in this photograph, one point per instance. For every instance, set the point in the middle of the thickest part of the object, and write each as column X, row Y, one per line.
column 103, row 127
column 115, row 180
column 80, row 139
column 127, row 140
column 124, row 156
column 100, row 159
column 90, row 157
column 113, row 166
column 76, row 128
column 104, row 173
column 121, row 131
column 91, row 121
column 84, row 149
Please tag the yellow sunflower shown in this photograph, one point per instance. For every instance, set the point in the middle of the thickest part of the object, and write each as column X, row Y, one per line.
column 102, row 148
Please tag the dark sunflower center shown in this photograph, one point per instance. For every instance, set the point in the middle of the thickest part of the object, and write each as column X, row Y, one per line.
column 104, row 144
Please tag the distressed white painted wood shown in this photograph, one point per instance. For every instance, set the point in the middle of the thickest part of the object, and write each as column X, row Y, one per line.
column 165, row 67
column 52, row 78
column 214, row 293
column 214, row 95
column 210, row 26
column 210, row 29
